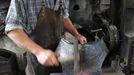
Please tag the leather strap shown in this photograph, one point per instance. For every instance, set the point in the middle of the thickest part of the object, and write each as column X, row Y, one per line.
column 43, row 2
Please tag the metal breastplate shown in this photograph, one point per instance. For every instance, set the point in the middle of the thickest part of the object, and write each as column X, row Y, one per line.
column 49, row 28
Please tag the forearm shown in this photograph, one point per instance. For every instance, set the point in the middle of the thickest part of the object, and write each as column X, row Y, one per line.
column 22, row 40
column 70, row 27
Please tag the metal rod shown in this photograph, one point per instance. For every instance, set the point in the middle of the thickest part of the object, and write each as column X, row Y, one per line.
column 76, row 58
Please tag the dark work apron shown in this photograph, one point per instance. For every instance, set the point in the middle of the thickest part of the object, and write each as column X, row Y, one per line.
column 49, row 28
column 47, row 34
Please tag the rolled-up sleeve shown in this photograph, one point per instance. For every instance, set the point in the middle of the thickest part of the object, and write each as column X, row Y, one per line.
column 14, row 16
column 66, row 9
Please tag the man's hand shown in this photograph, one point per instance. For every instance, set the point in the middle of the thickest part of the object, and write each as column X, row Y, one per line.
column 47, row 57
column 70, row 27
column 81, row 39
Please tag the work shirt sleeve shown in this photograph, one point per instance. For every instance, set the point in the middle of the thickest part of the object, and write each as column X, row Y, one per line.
column 14, row 16
column 66, row 9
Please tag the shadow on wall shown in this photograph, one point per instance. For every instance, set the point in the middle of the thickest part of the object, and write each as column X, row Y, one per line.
column 81, row 11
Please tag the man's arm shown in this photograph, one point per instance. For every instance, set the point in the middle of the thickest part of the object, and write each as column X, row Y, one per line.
column 22, row 40
column 44, row 56
column 70, row 27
